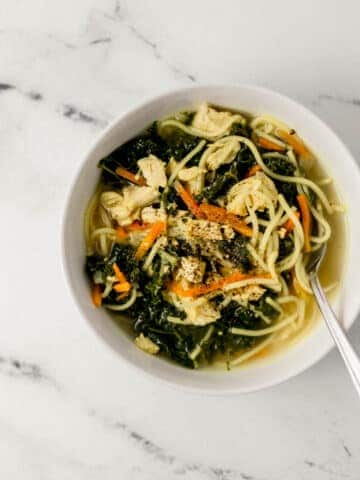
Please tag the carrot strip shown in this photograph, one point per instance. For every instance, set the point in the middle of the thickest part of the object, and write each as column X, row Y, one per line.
column 121, row 233
column 239, row 225
column 122, row 287
column 122, row 172
column 289, row 224
column 119, row 274
column 213, row 213
column 253, row 170
column 293, row 140
column 96, row 296
column 305, row 220
column 211, row 287
column 136, row 225
column 187, row 198
column 156, row 230
column 268, row 145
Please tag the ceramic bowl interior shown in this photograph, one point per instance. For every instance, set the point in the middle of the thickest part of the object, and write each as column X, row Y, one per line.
column 338, row 163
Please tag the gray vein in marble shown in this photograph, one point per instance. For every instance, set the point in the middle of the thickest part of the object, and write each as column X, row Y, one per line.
column 178, row 467
column 6, row 86
column 325, row 469
column 347, row 450
column 157, row 54
column 119, row 15
column 33, row 95
column 340, row 99
column 36, row 96
column 101, row 40
column 61, row 41
column 73, row 113
column 17, row 368
column 67, row 110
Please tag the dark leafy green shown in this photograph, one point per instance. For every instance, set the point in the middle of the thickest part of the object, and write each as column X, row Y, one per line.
column 175, row 143
column 236, row 251
column 123, row 256
column 286, row 246
column 283, row 167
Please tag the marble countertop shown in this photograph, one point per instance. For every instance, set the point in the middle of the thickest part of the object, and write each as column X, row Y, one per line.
column 68, row 408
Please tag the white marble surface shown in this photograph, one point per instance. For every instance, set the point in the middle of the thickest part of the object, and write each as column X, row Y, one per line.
column 68, row 408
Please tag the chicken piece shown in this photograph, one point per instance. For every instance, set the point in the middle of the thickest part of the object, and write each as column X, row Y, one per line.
column 191, row 269
column 221, row 153
column 200, row 312
column 256, row 189
column 249, row 293
column 147, row 345
column 153, row 169
column 152, row 215
column 187, row 174
column 214, row 123
column 204, row 229
column 125, row 207
column 191, row 177
column 114, row 206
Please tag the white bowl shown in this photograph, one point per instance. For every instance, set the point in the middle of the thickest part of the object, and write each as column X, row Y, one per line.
column 337, row 161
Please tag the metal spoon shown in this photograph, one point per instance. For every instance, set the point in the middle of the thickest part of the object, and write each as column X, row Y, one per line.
column 347, row 352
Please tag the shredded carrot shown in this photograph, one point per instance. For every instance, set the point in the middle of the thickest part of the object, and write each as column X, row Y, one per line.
column 239, row 225
column 121, row 233
column 294, row 140
column 138, row 180
column 96, row 295
column 305, row 220
column 268, row 145
column 187, row 198
column 156, row 230
column 220, row 215
column 120, row 277
column 253, row 170
column 289, row 224
column 213, row 213
column 136, row 225
column 122, row 287
column 211, row 287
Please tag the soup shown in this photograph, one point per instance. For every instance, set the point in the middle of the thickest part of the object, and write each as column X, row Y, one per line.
column 200, row 231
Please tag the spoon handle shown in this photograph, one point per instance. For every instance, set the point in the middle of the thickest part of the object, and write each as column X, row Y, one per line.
column 347, row 352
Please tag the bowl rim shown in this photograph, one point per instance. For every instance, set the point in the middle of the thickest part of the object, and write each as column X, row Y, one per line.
column 134, row 109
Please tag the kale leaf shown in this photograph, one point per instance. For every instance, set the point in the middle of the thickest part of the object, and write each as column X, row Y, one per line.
column 286, row 168
column 237, row 252
column 123, row 256
column 222, row 182
column 265, row 308
column 286, row 246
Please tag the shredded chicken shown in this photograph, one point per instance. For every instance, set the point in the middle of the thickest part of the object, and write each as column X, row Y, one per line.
column 221, row 153
column 147, row 345
column 249, row 293
column 200, row 312
column 213, row 122
column 125, row 207
column 152, row 215
column 191, row 269
column 153, row 169
column 257, row 190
